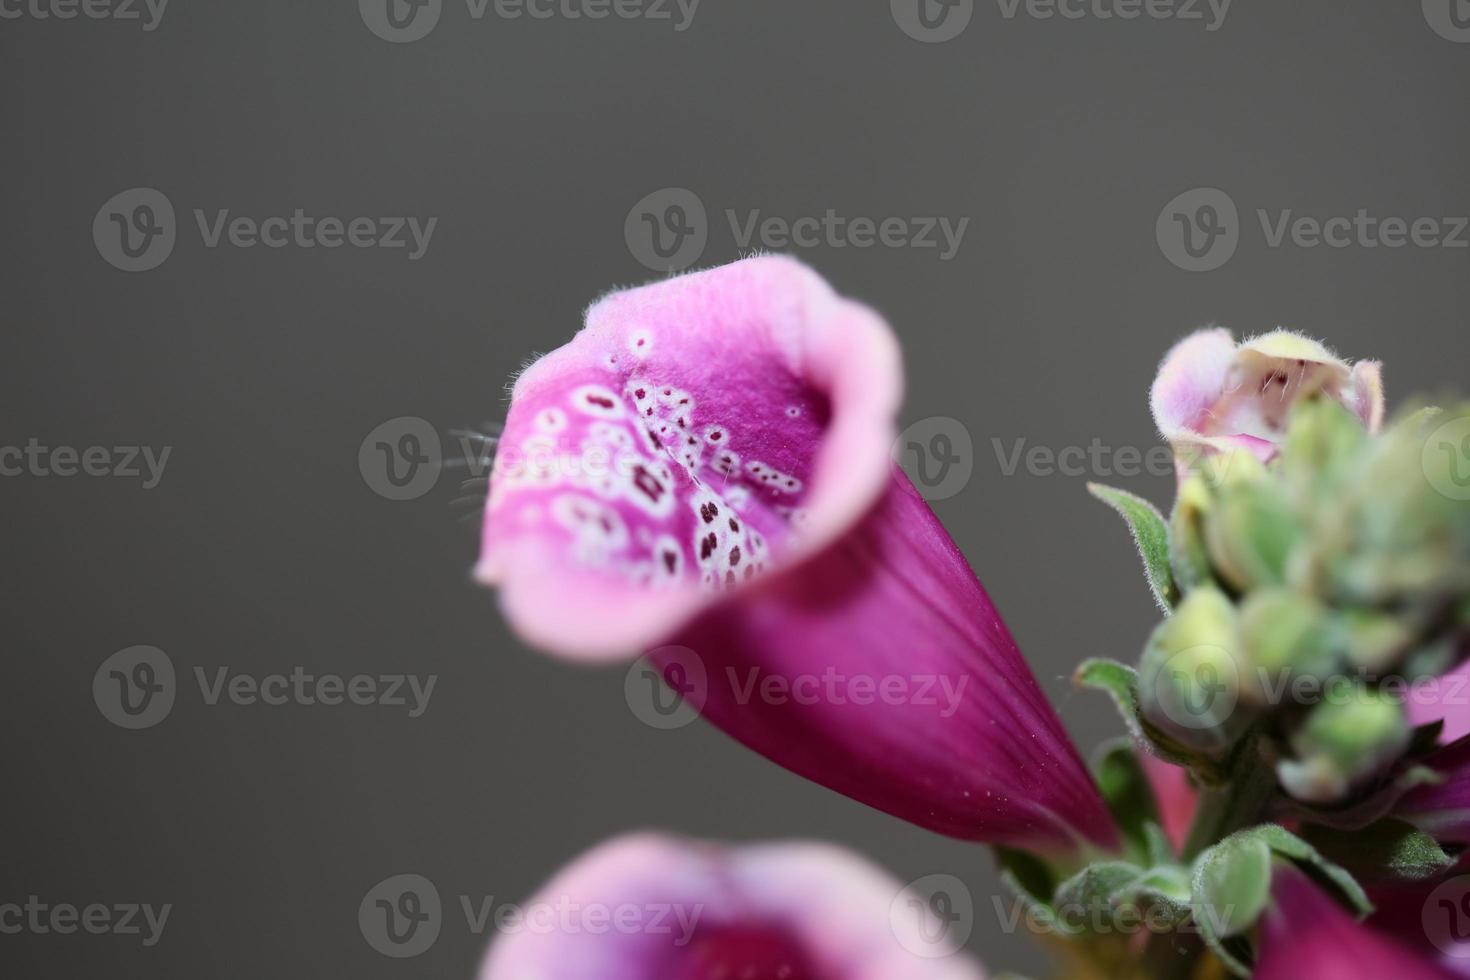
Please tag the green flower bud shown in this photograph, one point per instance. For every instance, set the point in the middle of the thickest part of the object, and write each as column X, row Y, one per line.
column 1406, row 540
column 1353, row 734
column 1376, row 641
column 1187, row 554
column 1285, row 636
column 1189, row 678
column 1324, row 441
column 1251, row 533
column 1230, row 470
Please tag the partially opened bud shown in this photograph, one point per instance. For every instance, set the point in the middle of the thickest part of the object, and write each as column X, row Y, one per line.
column 1189, row 679
column 1353, row 734
column 1212, row 395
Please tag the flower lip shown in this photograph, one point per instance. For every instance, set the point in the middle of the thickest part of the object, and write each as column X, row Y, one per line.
column 746, row 414
column 819, row 907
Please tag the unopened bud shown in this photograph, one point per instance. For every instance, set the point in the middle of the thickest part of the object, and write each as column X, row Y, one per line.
column 1352, row 735
column 1251, row 532
column 1189, row 679
column 1285, row 636
column 1376, row 641
column 1323, row 441
column 1188, row 556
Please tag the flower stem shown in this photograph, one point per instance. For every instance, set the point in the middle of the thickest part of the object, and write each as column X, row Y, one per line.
column 1236, row 803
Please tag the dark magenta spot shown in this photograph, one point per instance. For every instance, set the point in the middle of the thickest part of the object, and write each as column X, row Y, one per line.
column 647, row 483
column 600, row 401
column 735, row 555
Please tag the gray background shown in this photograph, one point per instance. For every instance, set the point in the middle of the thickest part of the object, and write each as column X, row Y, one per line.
column 263, row 548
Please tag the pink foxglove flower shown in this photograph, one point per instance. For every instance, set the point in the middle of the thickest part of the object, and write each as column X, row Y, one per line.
column 707, row 464
column 645, row 906
column 1445, row 698
column 1212, row 394
column 1443, row 809
column 1307, row 934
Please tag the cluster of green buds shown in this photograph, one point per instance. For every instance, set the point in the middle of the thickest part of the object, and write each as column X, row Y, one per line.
column 1311, row 594
column 1315, row 579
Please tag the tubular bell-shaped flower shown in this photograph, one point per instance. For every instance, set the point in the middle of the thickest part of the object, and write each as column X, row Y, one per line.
column 1212, row 394
column 707, row 464
column 682, row 910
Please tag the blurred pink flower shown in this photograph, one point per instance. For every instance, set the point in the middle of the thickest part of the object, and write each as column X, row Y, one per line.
column 646, row 906
column 1306, row 934
column 1175, row 795
column 1444, row 698
column 707, row 463
column 1212, row 394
